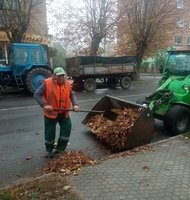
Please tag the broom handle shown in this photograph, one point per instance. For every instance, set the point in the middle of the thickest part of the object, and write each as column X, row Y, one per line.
column 91, row 111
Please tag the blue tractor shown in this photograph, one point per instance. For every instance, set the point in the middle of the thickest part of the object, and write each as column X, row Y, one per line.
column 26, row 67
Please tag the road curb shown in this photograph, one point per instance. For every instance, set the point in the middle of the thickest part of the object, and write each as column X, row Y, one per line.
column 166, row 140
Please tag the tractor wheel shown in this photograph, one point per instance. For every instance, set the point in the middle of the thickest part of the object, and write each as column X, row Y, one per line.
column 35, row 77
column 125, row 82
column 90, row 84
column 2, row 91
column 177, row 120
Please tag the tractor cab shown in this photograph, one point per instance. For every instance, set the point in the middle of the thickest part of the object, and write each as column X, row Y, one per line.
column 178, row 62
column 26, row 56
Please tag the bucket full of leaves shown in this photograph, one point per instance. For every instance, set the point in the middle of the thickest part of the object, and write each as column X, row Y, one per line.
column 133, row 126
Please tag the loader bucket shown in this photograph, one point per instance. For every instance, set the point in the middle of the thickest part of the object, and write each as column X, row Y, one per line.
column 139, row 133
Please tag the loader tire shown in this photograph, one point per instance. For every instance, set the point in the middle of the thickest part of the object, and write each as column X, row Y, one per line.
column 177, row 120
column 125, row 82
column 34, row 79
column 90, row 84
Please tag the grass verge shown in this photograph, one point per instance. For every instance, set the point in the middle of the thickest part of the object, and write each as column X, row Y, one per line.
column 55, row 186
column 187, row 134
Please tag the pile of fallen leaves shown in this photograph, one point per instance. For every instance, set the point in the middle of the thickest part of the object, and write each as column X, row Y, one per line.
column 114, row 133
column 70, row 162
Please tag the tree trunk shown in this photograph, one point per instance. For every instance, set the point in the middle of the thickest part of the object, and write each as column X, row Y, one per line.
column 95, row 45
column 16, row 37
column 138, row 68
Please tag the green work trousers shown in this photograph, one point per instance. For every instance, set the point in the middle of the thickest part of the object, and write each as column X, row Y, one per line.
column 50, row 132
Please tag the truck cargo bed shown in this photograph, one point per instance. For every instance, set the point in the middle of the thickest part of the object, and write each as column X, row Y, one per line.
column 86, row 70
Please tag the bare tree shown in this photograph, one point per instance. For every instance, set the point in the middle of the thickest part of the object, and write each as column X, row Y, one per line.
column 15, row 17
column 146, row 27
column 86, row 25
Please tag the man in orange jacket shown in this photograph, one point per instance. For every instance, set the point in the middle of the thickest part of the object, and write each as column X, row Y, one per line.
column 54, row 96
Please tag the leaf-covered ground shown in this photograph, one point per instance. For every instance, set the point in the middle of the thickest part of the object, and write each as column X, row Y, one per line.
column 52, row 187
column 55, row 186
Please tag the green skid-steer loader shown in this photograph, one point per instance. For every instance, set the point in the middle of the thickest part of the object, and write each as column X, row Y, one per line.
column 171, row 101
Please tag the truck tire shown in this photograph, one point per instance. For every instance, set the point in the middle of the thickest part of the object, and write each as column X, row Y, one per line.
column 90, row 84
column 78, row 85
column 35, row 77
column 177, row 120
column 125, row 82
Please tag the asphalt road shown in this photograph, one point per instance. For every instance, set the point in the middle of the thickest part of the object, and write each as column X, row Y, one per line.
column 22, row 152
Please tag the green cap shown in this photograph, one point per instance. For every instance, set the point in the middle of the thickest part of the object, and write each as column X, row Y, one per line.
column 59, row 71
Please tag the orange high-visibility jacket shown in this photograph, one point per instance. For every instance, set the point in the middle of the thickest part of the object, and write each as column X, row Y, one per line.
column 58, row 96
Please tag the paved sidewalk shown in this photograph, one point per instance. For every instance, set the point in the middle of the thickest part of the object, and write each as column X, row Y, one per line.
column 161, row 173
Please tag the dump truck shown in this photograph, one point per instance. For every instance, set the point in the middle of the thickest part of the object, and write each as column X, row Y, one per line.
column 135, row 123
column 26, row 67
column 88, row 71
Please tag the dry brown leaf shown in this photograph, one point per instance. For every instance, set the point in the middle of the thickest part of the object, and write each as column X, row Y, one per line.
column 29, row 157
column 66, row 187
column 114, row 133
column 70, row 162
column 146, row 167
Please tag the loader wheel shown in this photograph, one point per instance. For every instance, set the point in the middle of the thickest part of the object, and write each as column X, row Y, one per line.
column 125, row 82
column 34, row 79
column 177, row 120
column 90, row 84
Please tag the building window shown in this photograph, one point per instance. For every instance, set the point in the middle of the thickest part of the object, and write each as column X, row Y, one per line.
column 1, row 4
column 21, row 56
column 7, row 4
column 178, row 39
column 180, row 4
column 36, row 56
column 180, row 23
column 188, row 41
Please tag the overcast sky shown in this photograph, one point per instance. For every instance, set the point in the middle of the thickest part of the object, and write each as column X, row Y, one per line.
column 56, row 6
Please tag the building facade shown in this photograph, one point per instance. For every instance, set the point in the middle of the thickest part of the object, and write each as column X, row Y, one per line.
column 37, row 31
column 182, row 36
